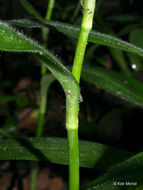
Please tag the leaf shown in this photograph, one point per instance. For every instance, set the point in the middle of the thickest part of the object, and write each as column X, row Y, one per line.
column 27, row 23
column 115, row 83
column 119, row 177
column 46, row 81
column 94, row 36
column 12, row 40
column 56, row 150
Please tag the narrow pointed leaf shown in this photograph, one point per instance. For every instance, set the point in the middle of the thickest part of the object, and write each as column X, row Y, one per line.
column 121, row 176
column 27, row 23
column 94, row 36
column 56, row 150
column 14, row 41
column 115, row 83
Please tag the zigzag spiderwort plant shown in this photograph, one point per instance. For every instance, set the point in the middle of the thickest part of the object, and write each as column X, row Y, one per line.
column 130, row 89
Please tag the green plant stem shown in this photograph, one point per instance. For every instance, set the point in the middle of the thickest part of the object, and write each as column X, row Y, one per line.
column 46, row 81
column 42, row 110
column 33, row 175
column 45, row 30
column 74, row 159
column 86, row 26
column 73, row 107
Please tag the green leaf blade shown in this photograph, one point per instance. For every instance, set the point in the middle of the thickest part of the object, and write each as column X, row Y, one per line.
column 56, row 150
column 125, row 173
column 12, row 40
column 94, row 36
column 115, row 83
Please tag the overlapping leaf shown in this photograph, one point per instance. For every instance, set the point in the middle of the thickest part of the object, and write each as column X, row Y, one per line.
column 125, row 176
column 116, row 83
column 94, row 36
column 56, row 150
column 14, row 41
